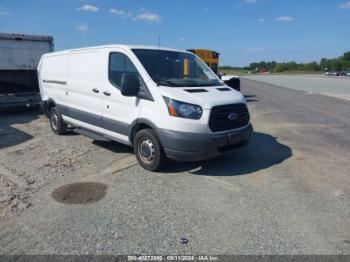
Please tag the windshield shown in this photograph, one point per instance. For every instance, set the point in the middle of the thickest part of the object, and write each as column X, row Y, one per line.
column 176, row 69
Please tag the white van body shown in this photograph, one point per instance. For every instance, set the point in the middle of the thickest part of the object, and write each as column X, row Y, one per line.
column 78, row 84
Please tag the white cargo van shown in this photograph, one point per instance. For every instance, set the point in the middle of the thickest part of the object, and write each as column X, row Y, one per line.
column 163, row 102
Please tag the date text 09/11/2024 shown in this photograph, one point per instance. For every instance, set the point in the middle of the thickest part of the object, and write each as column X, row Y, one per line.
column 172, row 258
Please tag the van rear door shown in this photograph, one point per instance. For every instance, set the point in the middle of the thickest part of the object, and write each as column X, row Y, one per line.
column 53, row 77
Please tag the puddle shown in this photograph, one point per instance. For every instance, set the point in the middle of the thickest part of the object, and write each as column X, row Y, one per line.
column 80, row 193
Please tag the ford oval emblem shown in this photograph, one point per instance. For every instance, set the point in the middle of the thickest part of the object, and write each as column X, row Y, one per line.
column 232, row 116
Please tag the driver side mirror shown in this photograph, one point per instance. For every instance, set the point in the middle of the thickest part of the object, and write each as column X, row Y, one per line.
column 130, row 84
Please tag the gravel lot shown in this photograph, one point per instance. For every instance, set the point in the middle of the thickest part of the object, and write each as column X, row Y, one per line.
column 330, row 86
column 288, row 192
column 31, row 157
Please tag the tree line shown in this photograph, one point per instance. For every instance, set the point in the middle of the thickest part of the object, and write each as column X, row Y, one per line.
column 341, row 63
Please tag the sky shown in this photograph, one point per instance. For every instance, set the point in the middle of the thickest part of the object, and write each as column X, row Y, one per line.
column 243, row 31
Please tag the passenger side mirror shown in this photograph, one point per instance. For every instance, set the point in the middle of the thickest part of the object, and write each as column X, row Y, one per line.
column 130, row 84
column 234, row 83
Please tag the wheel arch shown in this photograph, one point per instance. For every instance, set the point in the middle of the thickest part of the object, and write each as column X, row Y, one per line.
column 140, row 124
column 47, row 105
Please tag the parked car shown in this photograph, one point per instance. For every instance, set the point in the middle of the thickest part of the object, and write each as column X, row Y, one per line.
column 330, row 73
column 341, row 73
column 140, row 96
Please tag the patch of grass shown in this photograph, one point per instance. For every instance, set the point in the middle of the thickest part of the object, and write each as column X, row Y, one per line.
column 241, row 72
column 234, row 72
column 296, row 72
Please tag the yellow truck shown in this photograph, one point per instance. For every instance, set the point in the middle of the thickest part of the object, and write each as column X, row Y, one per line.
column 211, row 58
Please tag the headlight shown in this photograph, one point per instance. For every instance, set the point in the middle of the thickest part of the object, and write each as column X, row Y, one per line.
column 182, row 109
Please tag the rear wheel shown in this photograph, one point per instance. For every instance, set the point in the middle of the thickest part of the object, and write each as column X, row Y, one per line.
column 148, row 150
column 56, row 122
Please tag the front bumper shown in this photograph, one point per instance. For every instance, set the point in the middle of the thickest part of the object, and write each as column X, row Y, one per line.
column 194, row 147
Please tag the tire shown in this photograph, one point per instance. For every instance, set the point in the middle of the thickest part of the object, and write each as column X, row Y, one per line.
column 56, row 122
column 148, row 150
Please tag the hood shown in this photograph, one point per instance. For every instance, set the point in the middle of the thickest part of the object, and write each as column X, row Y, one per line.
column 206, row 97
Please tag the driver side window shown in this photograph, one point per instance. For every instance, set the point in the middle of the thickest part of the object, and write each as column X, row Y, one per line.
column 118, row 65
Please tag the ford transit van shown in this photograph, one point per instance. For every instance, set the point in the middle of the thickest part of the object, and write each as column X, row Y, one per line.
column 165, row 103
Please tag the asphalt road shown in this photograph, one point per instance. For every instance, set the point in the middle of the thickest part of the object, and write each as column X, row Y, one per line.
column 317, row 84
column 288, row 192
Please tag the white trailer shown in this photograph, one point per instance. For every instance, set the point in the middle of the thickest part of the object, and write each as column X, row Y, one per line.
column 19, row 58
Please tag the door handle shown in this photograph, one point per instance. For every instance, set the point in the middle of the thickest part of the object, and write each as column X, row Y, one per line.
column 96, row 90
column 106, row 93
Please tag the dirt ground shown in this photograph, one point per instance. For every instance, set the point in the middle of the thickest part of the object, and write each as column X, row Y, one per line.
column 31, row 156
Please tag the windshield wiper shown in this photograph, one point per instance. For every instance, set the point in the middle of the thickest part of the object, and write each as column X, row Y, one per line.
column 211, row 84
column 183, row 82
column 165, row 82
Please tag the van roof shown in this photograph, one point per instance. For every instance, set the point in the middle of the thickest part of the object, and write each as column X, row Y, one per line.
column 128, row 47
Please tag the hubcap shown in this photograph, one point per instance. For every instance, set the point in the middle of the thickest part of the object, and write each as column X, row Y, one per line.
column 54, row 121
column 146, row 151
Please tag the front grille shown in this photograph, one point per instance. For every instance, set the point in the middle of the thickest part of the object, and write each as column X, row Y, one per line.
column 220, row 121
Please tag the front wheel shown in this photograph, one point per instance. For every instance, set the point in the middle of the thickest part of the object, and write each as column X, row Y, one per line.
column 148, row 150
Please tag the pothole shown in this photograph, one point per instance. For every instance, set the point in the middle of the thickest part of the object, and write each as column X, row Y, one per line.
column 80, row 193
